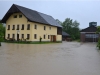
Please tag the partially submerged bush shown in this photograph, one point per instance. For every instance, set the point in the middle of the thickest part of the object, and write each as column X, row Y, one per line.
column 0, row 43
column 98, row 44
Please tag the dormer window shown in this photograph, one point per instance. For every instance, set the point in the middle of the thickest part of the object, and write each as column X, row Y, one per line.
column 15, row 16
column 20, row 16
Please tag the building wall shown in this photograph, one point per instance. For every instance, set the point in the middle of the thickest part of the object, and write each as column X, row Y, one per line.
column 89, row 37
column 82, row 37
column 59, row 37
column 39, row 31
column 18, row 21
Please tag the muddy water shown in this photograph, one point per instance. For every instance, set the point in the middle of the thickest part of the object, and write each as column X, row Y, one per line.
column 67, row 58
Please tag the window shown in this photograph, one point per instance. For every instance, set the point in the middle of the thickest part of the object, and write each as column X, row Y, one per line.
column 28, row 36
column 8, row 27
column 20, row 16
column 22, row 26
column 13, row 27
column 50, row 28
column 13, row 36
column 15, row 16
column 28, row 27
column 44, row 27
column 48, row 36
column 35, row 26
column 8, row 36
column 44, row 36
column 17, row 27
column 23, row 36
column 35, row 36
column 91, row 36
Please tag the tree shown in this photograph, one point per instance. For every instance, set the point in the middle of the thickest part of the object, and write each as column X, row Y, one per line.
column 75, row 29
column 67, row 25
column 2, row 32
column 98, row 31
column 59, row 21
column 72, row 28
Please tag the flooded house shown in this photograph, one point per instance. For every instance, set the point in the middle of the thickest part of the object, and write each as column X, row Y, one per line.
column 24, row 23
column 89, row 34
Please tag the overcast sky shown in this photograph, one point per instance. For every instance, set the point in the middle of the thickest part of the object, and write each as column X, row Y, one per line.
column 83, row 11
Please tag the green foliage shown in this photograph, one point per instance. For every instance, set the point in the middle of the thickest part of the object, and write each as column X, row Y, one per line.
column 29, row 42
column 72, row 28
column 98, row 29
column 40, row 39
column 2, row 33
column 98, row 44
column 59, row 21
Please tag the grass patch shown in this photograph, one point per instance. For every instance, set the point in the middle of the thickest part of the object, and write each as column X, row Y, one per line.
column 28, row 42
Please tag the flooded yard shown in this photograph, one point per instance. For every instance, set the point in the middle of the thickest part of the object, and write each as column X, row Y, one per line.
column 67, row 58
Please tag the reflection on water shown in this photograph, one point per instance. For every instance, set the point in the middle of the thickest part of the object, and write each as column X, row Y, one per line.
column 67, row 58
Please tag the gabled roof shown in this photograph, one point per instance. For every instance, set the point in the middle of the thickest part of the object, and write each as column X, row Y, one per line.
column 89, row 29
column 31, row 15
column 65, row 34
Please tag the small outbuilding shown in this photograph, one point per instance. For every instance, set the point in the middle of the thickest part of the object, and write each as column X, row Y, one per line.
column 65, row 36
column 89, row 34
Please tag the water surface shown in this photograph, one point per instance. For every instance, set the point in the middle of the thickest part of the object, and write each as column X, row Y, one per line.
column 67, row 58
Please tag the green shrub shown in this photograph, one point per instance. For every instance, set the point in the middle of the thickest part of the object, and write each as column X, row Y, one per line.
column 40, row 39
column 0, row 43
column 98, row 44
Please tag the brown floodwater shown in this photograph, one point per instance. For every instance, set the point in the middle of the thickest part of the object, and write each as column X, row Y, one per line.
column 67, row 58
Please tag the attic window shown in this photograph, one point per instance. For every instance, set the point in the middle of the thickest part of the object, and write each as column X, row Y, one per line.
column 15, row 16
column 20, row 16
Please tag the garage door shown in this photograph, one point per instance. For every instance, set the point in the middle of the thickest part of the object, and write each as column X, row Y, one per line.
column 91, row 37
